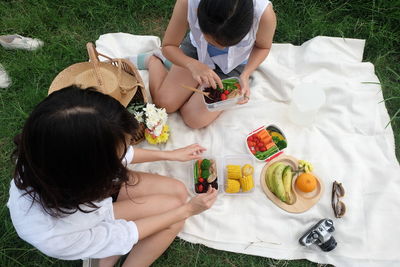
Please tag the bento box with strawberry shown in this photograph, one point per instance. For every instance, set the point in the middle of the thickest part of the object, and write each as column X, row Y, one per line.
column 266, row 142
column 223, row 98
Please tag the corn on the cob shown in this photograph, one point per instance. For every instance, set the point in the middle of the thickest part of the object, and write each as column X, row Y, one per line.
column 232, row 186
column 234, row 171
column 247, row 183
column 247, row 170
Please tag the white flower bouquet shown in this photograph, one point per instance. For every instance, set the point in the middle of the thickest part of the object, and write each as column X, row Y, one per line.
column 155, row 119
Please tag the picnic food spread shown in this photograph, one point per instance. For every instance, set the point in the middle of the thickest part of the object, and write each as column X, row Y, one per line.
column 205, row 175
column 266, row 142
column 239, row 179
column 288, row 182
column 231, row 90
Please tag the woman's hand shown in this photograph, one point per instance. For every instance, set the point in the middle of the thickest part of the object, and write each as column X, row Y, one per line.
column 203, row 74
column 187, row 153
column 245, row 90
column 203, row 201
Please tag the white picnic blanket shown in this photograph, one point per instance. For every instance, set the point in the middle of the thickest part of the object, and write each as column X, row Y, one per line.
column 348, row 143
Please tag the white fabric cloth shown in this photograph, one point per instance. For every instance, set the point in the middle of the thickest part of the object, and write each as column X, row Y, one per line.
column 348, row 143
column 236, row 54
column 79, row 235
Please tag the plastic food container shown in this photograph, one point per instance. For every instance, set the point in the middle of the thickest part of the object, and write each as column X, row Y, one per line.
column 227, row 103
column 237, row 160
column 266, row 143
column 195, row 180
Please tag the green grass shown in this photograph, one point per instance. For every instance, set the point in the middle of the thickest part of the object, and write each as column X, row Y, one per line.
column 67, row 25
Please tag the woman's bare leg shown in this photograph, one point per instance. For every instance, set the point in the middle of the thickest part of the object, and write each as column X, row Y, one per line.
column 195, row 114
column 152, row 184
column 147, row 250
column 154, row 194
column 157, row 74
column 169, row 93
column 150, row 248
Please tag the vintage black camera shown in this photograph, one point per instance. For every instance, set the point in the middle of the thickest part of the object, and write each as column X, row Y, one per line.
column 320, row 234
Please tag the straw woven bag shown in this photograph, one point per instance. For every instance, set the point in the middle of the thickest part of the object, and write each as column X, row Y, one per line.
column 118, row 78
column 126, row 66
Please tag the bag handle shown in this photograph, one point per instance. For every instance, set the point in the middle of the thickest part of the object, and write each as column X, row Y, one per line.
column 94, row 58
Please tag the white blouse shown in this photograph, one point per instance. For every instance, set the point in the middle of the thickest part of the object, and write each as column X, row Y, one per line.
column 76, row 236
column 237, row 53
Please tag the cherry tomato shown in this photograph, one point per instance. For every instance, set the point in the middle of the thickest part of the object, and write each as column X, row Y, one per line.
column 201, row 180
column 226, row 92
column 223, row 97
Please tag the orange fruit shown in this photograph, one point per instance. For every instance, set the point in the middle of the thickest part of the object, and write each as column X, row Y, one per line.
column 306, row 182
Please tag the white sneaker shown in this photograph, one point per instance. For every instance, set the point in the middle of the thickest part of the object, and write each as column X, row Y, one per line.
column 5, row 80
column 16, row 41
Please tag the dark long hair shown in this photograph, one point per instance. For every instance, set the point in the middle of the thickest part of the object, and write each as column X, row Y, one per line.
column 68, row 152
column 227, row 21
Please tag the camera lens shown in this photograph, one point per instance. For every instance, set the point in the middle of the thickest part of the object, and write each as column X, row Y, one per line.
column 328, row 245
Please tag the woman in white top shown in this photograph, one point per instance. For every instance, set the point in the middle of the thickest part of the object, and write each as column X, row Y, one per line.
column 227, row 38
column 72, row 196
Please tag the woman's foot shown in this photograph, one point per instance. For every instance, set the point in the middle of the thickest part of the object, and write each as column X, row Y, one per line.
column 141, row 61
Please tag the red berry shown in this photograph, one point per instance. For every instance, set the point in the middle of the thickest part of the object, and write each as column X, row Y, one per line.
column 201, row 180
column 200, row 187
column 223, row 97
column 226, row 92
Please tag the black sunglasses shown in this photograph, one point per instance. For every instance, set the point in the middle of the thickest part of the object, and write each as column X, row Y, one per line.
column 339, row 208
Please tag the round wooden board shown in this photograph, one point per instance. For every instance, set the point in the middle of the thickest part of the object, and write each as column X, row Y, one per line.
column 304, row 201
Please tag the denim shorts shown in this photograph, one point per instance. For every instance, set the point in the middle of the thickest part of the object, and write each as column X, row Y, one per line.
column 191, row 51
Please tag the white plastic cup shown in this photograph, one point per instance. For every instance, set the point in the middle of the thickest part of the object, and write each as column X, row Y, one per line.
column 307, row 99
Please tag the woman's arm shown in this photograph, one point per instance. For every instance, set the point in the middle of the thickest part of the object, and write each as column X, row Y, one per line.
column 173, row 37
column 150, row 225
column 262, row 46
column 191, row 152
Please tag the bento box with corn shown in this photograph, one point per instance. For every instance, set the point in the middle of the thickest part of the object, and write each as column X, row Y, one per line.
column 238, row 174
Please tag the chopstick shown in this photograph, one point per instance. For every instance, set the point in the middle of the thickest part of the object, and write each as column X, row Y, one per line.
column 196, row 90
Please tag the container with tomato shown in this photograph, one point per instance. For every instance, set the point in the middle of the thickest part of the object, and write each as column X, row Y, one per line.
column 266, row 142
column 204, row 174
column 223, row 98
